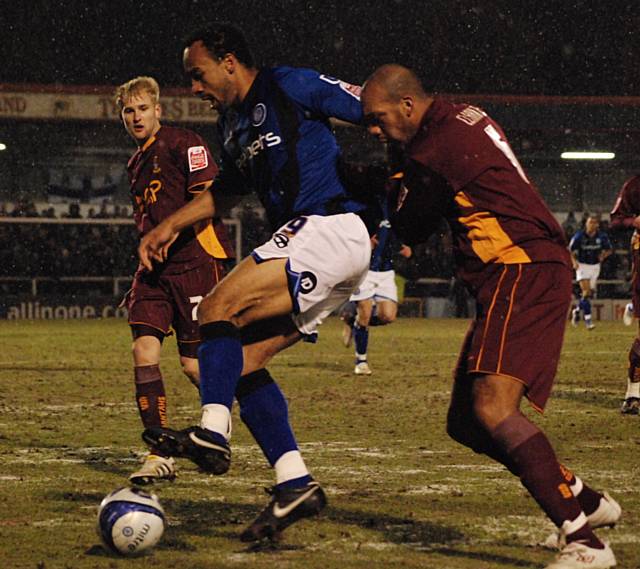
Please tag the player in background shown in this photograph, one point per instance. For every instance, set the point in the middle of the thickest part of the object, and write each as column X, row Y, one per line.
column 512, row 255
column 626, row 215
column 589, row 248
column 276, row 140
column 170, row 167
column 376, row 299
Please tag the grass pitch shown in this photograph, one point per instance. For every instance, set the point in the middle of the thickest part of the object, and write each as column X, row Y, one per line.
column 401, row 494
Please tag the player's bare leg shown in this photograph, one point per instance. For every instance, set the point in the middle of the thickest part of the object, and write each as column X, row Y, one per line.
column 512, row 439
column 232, row 363
column 585, row 303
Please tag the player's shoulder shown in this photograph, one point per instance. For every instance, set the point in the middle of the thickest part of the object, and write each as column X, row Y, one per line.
column 632, row 184
column 179, row 138
column 307, row 79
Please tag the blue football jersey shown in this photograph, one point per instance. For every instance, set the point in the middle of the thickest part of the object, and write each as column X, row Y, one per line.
column 279, row 143
column 387, row 243
column 588, row 248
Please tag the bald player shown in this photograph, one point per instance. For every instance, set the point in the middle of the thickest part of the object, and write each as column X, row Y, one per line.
column 512, row 256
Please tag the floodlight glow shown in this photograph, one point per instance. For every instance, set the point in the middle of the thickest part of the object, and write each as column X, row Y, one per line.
column 587, row 155
column 3, row 146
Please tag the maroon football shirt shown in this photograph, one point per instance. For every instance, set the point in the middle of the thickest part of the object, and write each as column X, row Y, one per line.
column 625, row 210
column 627, row 206
column 461, row 167
column 165, row 174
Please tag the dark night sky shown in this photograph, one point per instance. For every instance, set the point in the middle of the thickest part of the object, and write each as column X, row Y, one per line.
column 492, row 46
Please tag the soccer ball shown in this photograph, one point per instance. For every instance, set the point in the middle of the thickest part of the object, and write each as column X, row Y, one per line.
column 130, row 521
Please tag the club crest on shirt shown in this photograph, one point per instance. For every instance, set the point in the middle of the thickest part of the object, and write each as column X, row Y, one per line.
column 198, row 158
column 258, row 114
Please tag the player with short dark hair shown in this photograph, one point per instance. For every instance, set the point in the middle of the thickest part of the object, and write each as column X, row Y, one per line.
column 589, row 248
column 512, row 255
column 276, row 140
column 170, row 167
column 626, row 215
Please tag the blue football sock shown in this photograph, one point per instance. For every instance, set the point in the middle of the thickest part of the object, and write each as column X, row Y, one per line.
column 361, row 337
column 220, row 359
column 585, row 306
column 264, row 411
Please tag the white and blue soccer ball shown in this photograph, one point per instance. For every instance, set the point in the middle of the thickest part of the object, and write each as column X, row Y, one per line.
column 130, row 521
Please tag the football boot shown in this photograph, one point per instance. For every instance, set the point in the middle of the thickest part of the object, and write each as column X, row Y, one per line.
column 362, row 368
column 207, row 449
column 577, row 555
column 154, row 469
column 288, row 505
column 630, row 406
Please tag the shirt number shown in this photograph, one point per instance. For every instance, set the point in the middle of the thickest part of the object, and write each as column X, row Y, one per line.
column 504, row 147
column 195, row 300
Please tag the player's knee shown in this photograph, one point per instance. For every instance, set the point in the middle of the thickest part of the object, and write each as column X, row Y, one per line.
column 214, row 307
column 191, row 369
column 146, row 350
column 387, row 318
column 489, row 414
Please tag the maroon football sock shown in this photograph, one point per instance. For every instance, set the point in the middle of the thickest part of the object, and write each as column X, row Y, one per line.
column 150, row 396
column 541, row 475
column 634, row 361
column 588, row 498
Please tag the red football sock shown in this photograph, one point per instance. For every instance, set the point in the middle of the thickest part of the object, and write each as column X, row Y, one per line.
column 634, row 361
column 541, row 475
column 150, row 396
column 588, row 498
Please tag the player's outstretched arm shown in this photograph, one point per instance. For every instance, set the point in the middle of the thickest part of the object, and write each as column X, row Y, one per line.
column 155, row 244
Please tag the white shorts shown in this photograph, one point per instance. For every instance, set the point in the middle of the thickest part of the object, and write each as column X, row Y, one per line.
column 328, row 257
column 588, row 273
column 379, row 285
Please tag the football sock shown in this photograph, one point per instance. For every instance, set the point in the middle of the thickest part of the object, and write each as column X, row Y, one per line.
column 217, row 418
column 220, row 359
column 633, row 385
column 585, row 305
column 361, row 340
column 633, row 389
column 588, row 498
column 541, row 475
column 150, row 396
column 264, row 411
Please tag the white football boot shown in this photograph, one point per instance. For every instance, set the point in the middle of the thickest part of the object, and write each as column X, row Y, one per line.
column 608, row 514
column 577, row 555
column 627, row 316
column 154, row 469
column 362, row 368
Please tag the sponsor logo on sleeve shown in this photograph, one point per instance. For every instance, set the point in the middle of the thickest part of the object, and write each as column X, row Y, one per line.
column 353, row 90
column 198, row 158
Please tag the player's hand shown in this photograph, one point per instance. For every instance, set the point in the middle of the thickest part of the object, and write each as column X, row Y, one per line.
column 636, row 223
column 154, row 246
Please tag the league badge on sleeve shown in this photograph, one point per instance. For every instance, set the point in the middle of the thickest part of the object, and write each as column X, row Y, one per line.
column 198, row 158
